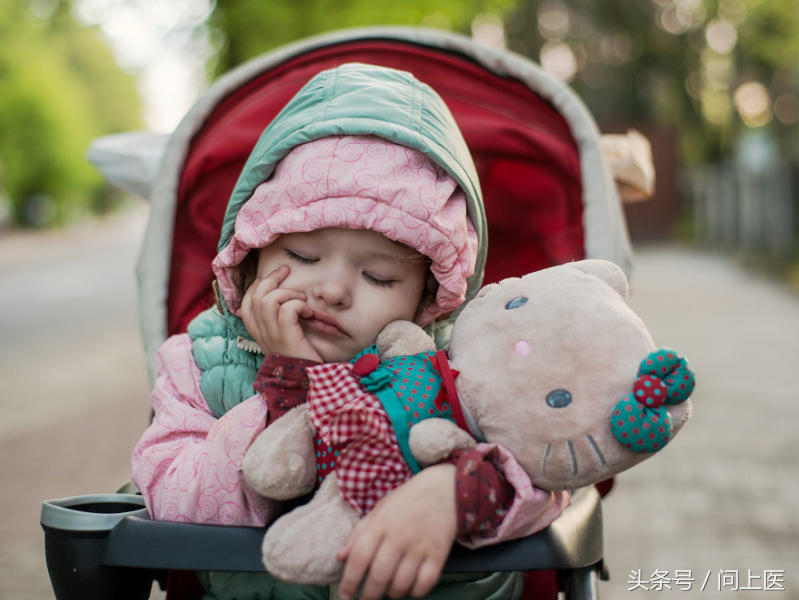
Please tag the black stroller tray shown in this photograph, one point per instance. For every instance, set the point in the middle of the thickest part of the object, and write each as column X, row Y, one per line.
column 119, row 560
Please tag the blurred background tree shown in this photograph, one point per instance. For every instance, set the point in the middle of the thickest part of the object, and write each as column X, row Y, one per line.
column 709, row 68
column 720, row 73
column 246, row 28
column 706, row 67
column 59, row 88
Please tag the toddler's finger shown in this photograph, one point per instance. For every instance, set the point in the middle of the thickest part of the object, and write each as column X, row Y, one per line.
column 360, row 557
column 271, row 307
column 381, row 571
column 356, row 532
column 404, row 576
column 292, row 310
column 426, row 577
column 271, row 282
column 246, row 304
column 271, row 303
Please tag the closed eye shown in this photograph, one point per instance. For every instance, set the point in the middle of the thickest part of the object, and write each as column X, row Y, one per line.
column 302, row 259
column 380, row 282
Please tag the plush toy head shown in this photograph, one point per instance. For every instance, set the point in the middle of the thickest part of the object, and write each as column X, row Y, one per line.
column 557, row 368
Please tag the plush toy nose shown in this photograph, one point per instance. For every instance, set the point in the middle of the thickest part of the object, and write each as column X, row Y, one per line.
column 559, row 398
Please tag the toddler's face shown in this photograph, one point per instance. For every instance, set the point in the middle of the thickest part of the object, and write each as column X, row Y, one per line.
column 357, row 281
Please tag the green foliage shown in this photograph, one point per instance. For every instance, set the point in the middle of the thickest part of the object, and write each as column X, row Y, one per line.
column 251, row 27
column 59, row 89
column 770, row 34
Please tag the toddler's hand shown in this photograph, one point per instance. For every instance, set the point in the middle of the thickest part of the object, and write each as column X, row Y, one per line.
column 271, row 315
column 405, row 540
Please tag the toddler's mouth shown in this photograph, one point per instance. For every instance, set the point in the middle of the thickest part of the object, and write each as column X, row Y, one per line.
column 325, row 323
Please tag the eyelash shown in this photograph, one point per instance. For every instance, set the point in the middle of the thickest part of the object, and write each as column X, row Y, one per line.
column 309, row 261
column 302, row 259
column 380, row 282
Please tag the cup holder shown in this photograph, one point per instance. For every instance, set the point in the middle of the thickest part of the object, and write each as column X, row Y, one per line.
column 75, row 530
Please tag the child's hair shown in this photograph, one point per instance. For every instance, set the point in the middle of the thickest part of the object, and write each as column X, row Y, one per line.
column 245, row 273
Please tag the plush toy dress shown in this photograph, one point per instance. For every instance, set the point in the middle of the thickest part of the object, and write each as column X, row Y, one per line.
column 363, row 412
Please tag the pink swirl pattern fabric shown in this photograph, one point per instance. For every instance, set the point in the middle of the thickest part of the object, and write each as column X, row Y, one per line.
column 361, row 182
column 187, row 464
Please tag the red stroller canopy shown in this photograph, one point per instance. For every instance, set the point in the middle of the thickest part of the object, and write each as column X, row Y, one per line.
column 526, row 158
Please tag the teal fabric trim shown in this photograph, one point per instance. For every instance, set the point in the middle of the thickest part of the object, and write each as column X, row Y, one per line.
column 399, row 419
column 228, row 372
column 407, row 388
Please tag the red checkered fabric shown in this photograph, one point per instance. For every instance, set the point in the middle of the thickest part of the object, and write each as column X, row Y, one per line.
column 347, row 416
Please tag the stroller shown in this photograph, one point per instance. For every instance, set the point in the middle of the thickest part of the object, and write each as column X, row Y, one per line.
column 549, row 198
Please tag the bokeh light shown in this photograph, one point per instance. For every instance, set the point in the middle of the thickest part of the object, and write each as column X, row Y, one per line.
column 488, row 30
column 559, row 61
column 42, row 9
column 680, row 16
column 721, row 36
column 553, row 20
column 694, row 84
column 716, row 106
column 719, row 71
column 753, row 104
column 617, row 49
column 733, row 11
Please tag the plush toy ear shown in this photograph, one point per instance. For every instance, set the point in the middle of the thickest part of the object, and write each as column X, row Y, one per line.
column 608, row 272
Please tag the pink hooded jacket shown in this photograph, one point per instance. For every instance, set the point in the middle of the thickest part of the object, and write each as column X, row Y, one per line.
column 187, row 464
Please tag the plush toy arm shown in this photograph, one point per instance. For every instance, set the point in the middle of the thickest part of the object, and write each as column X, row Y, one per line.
column 433, row 440
column 281, row 462
column 400, row 338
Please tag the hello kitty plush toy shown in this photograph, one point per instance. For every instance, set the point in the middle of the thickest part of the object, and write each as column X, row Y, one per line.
column 553, row 366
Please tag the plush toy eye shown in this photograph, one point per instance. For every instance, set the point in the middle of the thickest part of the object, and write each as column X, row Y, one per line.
column 559, row 398
column 516, row 303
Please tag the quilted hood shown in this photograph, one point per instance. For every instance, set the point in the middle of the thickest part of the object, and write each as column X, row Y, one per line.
column 355, row 102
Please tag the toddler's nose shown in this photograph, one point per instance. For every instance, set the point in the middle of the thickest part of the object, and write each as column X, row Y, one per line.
column 334, row 289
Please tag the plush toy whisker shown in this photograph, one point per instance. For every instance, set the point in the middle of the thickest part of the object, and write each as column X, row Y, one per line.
column 546, row 456
column 574, row 457
column 596, row 449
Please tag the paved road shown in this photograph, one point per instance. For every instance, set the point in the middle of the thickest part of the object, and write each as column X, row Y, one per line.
column 75, row 393
column 724, row 496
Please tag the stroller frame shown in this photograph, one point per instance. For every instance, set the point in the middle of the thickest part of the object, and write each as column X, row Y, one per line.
column 121, row 558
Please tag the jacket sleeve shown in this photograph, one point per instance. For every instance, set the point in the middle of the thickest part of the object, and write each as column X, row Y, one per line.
column 530, row 510
column 187, row 463
column 283, row 383
column 482, row 494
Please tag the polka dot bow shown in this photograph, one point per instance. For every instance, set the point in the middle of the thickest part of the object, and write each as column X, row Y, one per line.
column 366, row 365
column 640, row 421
